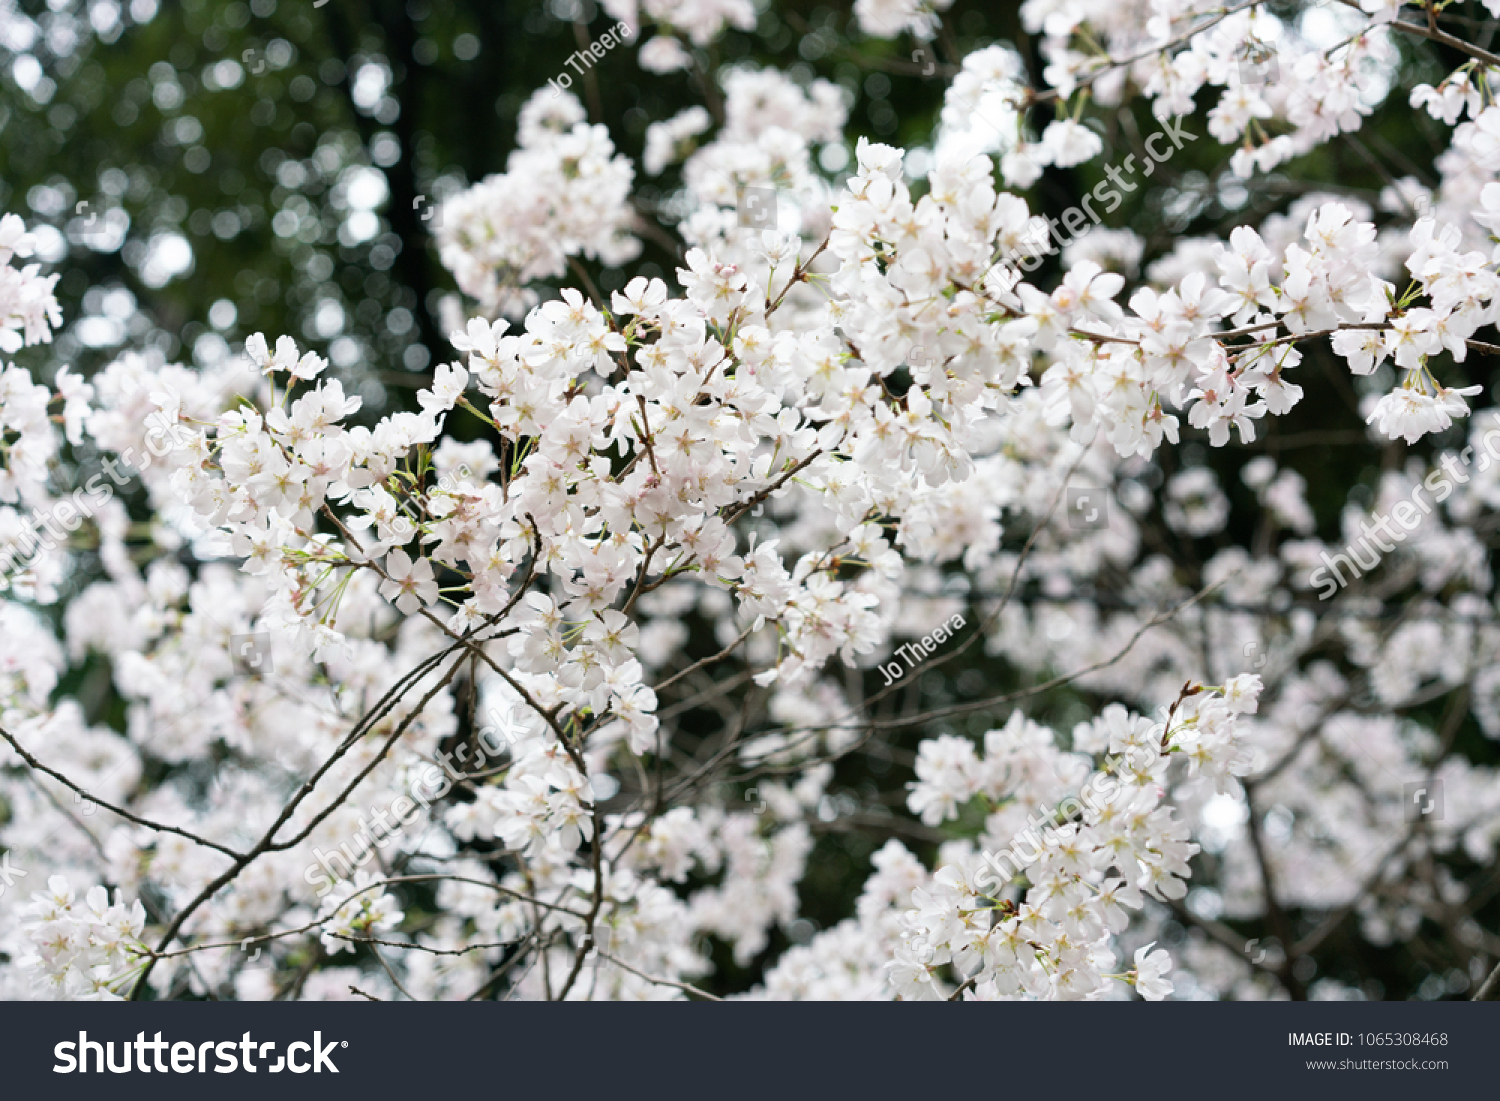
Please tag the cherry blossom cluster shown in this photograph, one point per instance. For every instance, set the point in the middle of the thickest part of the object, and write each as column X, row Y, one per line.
column 565, row 193
column 1054, row 940
column 28, row 310
column 87, row 951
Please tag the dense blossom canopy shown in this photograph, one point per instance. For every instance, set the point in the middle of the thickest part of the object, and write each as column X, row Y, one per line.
column 415, row 711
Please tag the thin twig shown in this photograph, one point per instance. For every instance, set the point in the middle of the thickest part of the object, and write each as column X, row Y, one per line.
column 686, row 988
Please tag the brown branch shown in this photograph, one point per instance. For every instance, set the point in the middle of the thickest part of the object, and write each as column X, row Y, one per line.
column 686, row 988
column 1490, row 991
column 160, row 827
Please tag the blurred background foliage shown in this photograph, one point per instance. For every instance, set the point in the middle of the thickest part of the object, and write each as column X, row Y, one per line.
column 199, row 170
